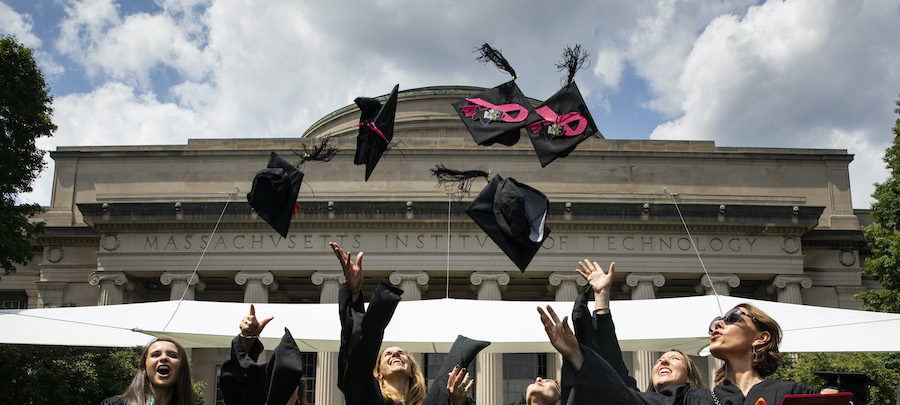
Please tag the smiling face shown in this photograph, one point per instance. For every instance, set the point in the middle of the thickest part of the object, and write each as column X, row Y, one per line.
column 543, row 391
column 162, row 364
column 393, row 360
column 670, row 369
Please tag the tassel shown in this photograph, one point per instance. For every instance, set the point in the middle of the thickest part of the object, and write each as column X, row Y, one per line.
column 574, row 59
column 321, row 153
column 489, row 54
column 461, row 180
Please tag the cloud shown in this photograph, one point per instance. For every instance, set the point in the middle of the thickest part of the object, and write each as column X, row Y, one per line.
column 18, row 25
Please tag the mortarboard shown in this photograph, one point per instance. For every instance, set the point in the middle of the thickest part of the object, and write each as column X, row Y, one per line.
column 274, row 193
column 566, row 121
column 855, row 383
column 284, row 370
column 513, row 215
column 462, row 353
column 376, row 129
column 496, row 115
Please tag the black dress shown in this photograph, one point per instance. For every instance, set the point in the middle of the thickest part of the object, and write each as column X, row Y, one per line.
column 246, row 382
column 362, row 332
column 766, row 392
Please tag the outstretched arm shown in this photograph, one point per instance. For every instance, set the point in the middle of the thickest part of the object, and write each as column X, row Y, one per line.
column 561, row 336
column 251, row 328
column 600, row 281
column 352, row 270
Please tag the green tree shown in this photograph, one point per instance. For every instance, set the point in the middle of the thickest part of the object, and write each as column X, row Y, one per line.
column 882, row 236
column 24, row 116
column 882, row 368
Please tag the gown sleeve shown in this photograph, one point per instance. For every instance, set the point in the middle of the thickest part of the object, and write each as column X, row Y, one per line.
column 243, row 381
column 599, row 333
column 362, row 331
column 598, row 379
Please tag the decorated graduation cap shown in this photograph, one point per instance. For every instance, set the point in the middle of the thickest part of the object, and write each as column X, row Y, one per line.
column 565, row 119
column 376, row 129
column 496, row 115
column 513, row 215
column 462, row 353
column 855, row 383
column 274, row 193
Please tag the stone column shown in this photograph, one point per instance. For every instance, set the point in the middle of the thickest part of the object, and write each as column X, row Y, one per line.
column 257, row 285
column 567, row 288
column 489, row 369
column 181, row 282
column 412, row 283
column 327, row 393
column 567, row 285
column 788, row 288
column 723, row 283
column 112, row 286
column 643, row 287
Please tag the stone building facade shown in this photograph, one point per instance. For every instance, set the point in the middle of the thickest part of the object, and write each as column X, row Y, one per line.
column 129, row 223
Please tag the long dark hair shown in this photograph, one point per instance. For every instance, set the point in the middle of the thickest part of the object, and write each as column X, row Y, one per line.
column 138, row 392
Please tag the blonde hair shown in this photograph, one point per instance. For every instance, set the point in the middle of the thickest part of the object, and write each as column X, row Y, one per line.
column 695, row 379
column 417, row 390
column 766, row 357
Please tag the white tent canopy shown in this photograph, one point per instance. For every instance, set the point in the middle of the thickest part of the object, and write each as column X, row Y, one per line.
column 432, row 325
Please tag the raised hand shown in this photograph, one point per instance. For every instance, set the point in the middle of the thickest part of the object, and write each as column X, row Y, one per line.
column 561, row 336
column 250, row 326
column 459, row 385
column 600, row 281
column 352, row 270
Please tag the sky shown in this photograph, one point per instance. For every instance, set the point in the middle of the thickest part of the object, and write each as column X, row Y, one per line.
column 821, row 74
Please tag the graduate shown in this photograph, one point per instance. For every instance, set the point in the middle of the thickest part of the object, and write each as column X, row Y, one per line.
column 543, row 391
column 163, row 377
column 673, row 368
column 745, row 338
column 391, row 376
column 277, row 382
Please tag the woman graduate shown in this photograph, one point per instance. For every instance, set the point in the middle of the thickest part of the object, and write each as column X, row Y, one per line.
column 277, row 382
column 672, row 369
column 163, row 377
column 746, row 339
column 365, row 375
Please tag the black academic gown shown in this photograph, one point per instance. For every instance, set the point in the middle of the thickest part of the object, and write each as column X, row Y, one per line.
column 362, row 332
column 246, row 382
column 766, row 392
column 116, row 400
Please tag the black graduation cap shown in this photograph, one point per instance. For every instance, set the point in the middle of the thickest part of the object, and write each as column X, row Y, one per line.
column 274, row 193
column 462, row 353
column 284, row 370
column 566, row 121
column 496, row 115
column 855, row 383
column 376, row 129
column 513, row 215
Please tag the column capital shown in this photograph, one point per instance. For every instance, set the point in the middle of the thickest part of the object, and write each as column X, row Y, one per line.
column 398, row 277
column 186, row 277
column 322, row 277
column 115, row 276
column 634, row 279
column 265, row 277
column 479, row 277
column 557, row 278
column 782, row 281
column 732, row 280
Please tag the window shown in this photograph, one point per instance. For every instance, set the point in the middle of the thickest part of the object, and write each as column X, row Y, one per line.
column 13, row 300
column 519, row 371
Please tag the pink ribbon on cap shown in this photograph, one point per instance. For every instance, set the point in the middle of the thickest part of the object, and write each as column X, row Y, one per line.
column 372, row 126
column 469, row 109
column 551, row 117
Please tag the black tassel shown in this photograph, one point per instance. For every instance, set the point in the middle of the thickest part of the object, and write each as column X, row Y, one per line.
column 574, row 59
column 461, row 180
column 489, row 54
column 321, row 153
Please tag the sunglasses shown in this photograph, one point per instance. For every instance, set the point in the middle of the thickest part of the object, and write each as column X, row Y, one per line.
column 730, row 317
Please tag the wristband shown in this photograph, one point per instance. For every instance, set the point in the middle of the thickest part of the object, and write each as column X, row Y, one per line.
column 249, row 337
